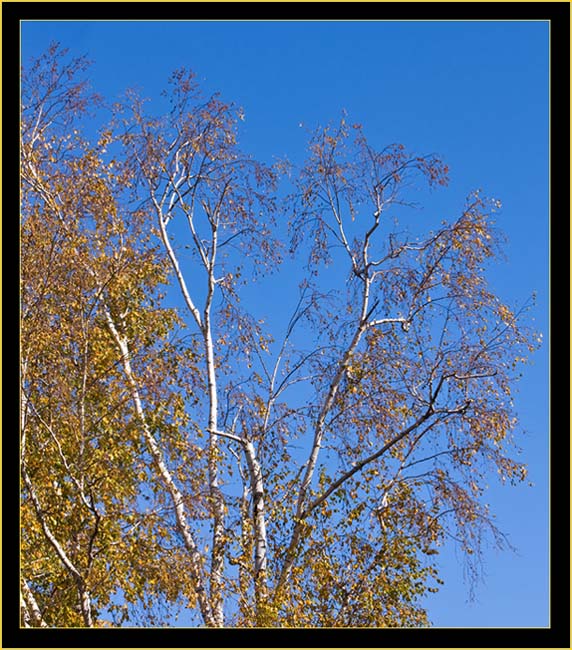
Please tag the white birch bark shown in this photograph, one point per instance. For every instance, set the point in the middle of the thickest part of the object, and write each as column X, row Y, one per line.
column 174, row 492
column 217, row 557
column 254, row 486
column 204, row 323
column 32, row 610
column 83, row 590
column 260, row 541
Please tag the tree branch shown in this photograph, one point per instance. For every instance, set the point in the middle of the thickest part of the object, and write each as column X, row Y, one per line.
column 83, row 591
column 366, row 461
column 31, row 604
column 157, row 454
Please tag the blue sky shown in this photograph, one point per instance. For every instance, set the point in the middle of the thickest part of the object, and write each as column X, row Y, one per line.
column 474, row 92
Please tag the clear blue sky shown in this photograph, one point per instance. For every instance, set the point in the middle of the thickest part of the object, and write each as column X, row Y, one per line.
column 474, row 92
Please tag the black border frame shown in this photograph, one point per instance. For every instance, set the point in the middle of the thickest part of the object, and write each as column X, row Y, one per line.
column 555, row 636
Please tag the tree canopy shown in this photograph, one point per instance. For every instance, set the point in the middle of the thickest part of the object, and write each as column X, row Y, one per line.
column 176, row 453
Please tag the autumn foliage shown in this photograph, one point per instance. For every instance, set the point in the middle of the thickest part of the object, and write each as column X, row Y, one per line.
column 177, row 455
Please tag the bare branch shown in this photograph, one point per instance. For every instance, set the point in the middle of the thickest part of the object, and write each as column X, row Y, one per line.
column 229, row 436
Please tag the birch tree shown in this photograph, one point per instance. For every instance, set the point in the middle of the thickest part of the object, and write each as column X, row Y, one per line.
column 94, row 520
column 304, row 473
column 412, row 369
column 192, row 170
